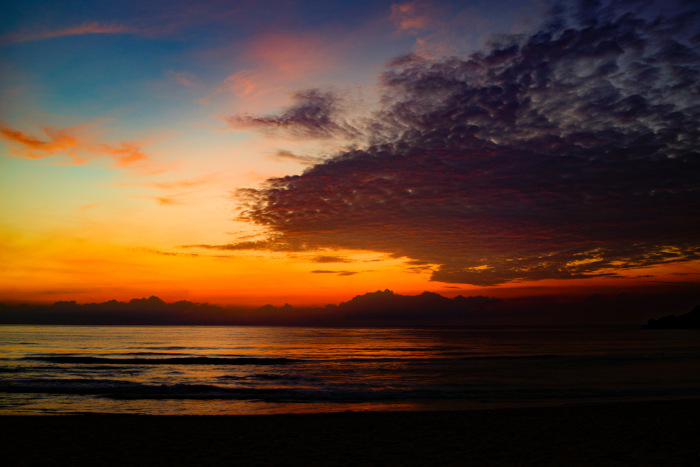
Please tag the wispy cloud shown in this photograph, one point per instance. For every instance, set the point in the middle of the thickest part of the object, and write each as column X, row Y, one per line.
column 155, row 18
column 410, row 16
column 268, row 244
column 315, row 114
column 75, row 143
column 329, row 259
column 82, row 29
column 125, row 154
column 182, row 78
column 568, row 153
column 169, row 253
column 291, row 54
column 167, row 200
column 286, row 156
column 276, row 59
column 58, row 140
column 177, row 185
column 339, row 273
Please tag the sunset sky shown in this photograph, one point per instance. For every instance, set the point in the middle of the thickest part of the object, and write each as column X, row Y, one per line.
column 246, row 152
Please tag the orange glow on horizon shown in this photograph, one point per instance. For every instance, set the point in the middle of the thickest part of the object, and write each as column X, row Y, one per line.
column 86, row 271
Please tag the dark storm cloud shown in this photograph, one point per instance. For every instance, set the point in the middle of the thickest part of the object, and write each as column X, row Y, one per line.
column 568, row 153
column 316, row 114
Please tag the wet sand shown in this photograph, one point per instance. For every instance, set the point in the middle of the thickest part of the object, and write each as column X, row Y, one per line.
column 634, row 433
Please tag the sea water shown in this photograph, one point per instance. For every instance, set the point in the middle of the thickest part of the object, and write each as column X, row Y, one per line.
column 262, row 370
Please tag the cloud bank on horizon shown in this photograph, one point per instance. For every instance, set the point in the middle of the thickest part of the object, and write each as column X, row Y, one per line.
column 567, row 152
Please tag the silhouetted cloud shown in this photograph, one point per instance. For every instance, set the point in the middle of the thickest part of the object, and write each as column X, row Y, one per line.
column 316, row 114
column 340, row 273
column 273, row 244
column 283, row 155
column 571, row 152
column 329, row 259
column 169, row 253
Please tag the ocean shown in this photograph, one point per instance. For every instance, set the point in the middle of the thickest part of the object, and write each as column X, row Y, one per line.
column 200, row 370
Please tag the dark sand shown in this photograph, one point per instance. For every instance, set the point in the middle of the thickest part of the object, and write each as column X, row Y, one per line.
column 635, row 433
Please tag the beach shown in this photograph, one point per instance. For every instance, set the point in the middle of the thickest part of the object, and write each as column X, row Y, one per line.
column 623, row 433
column 304, row 396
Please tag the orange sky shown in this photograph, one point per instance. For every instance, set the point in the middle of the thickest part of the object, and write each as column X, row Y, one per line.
column 127, row 135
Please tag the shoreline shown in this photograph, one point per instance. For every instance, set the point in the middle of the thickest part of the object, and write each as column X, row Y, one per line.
column 657, row 432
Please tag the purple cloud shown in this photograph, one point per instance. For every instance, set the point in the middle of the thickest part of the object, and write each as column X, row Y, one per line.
column 316, row 114
column 572, row 152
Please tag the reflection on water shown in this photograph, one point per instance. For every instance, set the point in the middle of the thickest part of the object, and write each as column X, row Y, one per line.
column 222, row 370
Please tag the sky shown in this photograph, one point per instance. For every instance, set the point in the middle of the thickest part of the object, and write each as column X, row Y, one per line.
column 243, row 152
